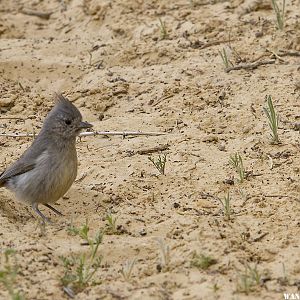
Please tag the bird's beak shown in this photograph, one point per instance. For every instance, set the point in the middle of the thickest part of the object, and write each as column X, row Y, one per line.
column 84, row 125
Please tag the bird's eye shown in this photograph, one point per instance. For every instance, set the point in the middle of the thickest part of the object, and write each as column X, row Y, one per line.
column 68, row 122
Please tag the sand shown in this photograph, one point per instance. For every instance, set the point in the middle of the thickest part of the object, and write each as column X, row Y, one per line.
column 125, row 71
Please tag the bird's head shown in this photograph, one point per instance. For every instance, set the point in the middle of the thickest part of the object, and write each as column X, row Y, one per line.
column 64, row 119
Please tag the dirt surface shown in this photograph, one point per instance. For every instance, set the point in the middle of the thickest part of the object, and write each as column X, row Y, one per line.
column 126, row 71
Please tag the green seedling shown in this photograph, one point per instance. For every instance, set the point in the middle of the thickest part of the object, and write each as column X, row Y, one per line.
column 273, row 119
column 249, row 279
column 127, row 269
column 111, row 224
column 226, row 206
column 202, row 261
column 9, row 273
column 163, row 29
column 159, row 163
column 225, row 59
column 80, row 269
column 215, row 288
column 237, row 163
column 279, row 13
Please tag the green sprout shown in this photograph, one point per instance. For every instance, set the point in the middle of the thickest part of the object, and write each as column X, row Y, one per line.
column 279, row 13
column 9, row 273
column 226, row 206
column 225, row 59
column 273, row 119
column 79, row 269
column 237, row 162
column 163, row 29
column 160, row 163
column 111, row 223
column 248, row 279
column 202, row 261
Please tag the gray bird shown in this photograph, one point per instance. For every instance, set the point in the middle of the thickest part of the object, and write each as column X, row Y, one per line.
column 47, row 169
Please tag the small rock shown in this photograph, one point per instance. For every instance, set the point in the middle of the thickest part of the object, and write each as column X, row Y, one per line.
column 101, row 116
column 6, row 102
column 143, row 232
column 17, row 109
column 259, row 34
column 176, row 205
column 210, row 139
column 43, row 259
column 297, row 126
column 221, row 147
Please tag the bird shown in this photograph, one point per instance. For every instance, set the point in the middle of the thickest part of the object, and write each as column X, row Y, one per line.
column 48, row 168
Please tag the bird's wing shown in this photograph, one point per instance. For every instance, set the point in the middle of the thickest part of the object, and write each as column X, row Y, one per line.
column 27, row 161
column 15, row 169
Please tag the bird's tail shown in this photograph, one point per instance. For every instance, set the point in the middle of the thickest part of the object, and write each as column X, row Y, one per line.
column 2, row 182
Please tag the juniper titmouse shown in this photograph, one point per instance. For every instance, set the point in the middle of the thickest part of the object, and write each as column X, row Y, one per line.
column 47, row 169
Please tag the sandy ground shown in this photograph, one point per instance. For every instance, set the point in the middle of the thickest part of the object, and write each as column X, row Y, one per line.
column 123, row 73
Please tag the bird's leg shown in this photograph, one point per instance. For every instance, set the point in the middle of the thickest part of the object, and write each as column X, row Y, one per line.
column 54, row 209
column 35, row 208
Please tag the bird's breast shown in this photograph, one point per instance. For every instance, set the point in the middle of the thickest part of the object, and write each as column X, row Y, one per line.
column 63, row 174
column 52, row 176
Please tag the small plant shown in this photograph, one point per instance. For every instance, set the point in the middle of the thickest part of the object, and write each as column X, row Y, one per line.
column 226, row 206
column 79, row 269
column 225, row 59
column 111, row 224
column 202, row 261
column 159, row 163
column 164, row 253
column 163, row 29
column 279, row 13
column 9, row 273
column 215, row 288
column 273, row 119
column 248, row 279
column 127, row 269
column 237, row 162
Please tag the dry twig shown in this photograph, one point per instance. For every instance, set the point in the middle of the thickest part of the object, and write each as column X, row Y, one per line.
column 93, row 133
column 11, row 118
column 153, row 150
column 40, row 14
column 289, row 53
column 250, row 66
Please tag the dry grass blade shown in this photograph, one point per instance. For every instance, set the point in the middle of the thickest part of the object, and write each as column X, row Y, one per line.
column 127, row 269
column 250, row 66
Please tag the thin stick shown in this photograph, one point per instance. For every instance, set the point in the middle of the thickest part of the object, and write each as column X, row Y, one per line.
column 212, row 43
column 257, row 239
column 250, row 66
column 289, row 53
column 11, row 118
column 276, row 196
column 275, row 55
column 123, row 133
column 153, row 150
column 40, row 14
column 94, row 133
